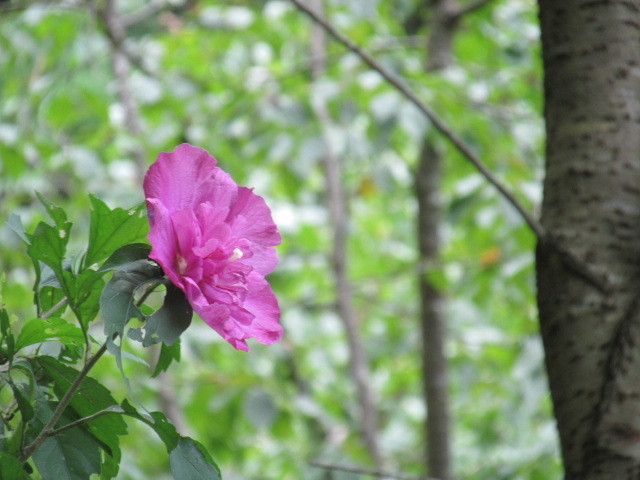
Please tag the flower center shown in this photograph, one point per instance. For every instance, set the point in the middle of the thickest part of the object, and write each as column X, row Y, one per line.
column 181, row 263
column 237, row 253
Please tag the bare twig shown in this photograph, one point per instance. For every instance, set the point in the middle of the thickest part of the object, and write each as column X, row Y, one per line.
column 367, row 471
column 437, row 122
column 116, row 32
column 81, row 421
column 54, row 309
column 338, row 210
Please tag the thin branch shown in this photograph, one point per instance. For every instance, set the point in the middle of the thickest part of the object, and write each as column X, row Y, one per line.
column 366, row 471
column 81, row 421
column 116, row 32
column 437, row 122
column 54, row 309
column 64, row 402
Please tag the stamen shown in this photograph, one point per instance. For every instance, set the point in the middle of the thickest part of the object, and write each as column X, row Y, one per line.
column 181, row 263
column 237, row 253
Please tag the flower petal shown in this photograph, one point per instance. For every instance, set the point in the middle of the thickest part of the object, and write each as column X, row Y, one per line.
column 185, row 178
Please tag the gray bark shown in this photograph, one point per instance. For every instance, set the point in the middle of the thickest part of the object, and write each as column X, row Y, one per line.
column 337, row 203
column 591, row 54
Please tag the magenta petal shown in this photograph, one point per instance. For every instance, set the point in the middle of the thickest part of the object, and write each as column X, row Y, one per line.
column 185, row 178
column 262, row 303
column 251, row 216
column 216, row 242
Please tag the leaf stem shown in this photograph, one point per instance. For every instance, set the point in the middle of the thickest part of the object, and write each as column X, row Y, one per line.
column 80, row 421
column 55, row 308
column 48, row 429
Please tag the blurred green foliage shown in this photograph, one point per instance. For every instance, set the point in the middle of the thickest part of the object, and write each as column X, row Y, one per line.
column 234, row 77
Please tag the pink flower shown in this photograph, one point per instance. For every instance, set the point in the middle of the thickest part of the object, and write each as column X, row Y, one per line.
column 215, row 241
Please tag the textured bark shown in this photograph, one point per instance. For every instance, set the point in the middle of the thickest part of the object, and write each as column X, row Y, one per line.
column 337, row 203
column 432, row 318
column 592, row 205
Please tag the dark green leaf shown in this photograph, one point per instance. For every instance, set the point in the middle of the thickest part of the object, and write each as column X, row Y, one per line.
column 188, row 462
column 7, row 335
column 117, row 302
column 11, row 468
column 111, row 229
column 168, row 354
column 158, row 422
column 71, row 455
column 169, row 321
column 90, row 398
column 126, row 255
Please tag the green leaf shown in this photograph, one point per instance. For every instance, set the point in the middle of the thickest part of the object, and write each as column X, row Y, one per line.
column 71, row 455
column 15, row 224
column 53, row 328
column 11, row 468
column 111, row 229
column 117, row 302
column 48, row 245
column 56, row 213
column 87, row 288
column 168, row 354
column 7, row 336
column 125, row 255
column 158, row 422
column 169, row 321
column 90, row 398
column 23, row 384
column 188, row 462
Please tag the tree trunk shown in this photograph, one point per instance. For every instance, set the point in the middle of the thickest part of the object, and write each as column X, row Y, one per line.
column 338, row 210
column 592, row 207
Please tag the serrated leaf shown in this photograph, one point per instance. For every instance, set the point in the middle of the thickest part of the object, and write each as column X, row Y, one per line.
column 111, row 229
column 158, row 422
column 169, row 321
column 57, row 214
column 188, row 462
column 168, row 354
column 126, row 255
column 11, row 468
column 53, row 328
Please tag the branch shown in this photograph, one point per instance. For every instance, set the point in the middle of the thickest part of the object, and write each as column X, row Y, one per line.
column 81, row 421
column 438, row 123
column 64, row 402
column 54, row 309
column 116, row 32
column 366, row 471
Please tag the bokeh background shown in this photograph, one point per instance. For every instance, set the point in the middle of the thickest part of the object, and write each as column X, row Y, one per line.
column 91, row 92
